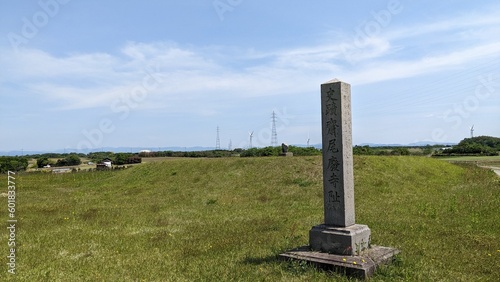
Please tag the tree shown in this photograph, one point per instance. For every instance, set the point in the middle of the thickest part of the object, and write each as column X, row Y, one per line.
column 13, row 164
column 126, row 158
column 121, row 158
column 481, row 145
column 304, row 151
column 427, row 150
column 73, row 159
column 401, row 151
column 98, row 156
column 42, row 162
column 362, row 150
column 70, row 160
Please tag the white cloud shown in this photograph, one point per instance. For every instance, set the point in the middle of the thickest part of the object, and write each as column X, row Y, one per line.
column 389, row 70
column 456, row 24
column 35, row 64
column 207, row 73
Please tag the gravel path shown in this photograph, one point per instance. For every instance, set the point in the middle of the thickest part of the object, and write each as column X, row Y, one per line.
column 495, row 169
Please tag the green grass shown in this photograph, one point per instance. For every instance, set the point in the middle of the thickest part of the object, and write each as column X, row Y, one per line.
column 227, row 219
column 492, row 162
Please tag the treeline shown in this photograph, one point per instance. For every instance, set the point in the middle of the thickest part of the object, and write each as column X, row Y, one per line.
column 276, row 151
column 13, row 164
column 126, row 158
column 475, row 146
column 73, row 159
column 482, row 145
column 189, row 154
column 69, row 160
column 116, row 158
column 55, row 155
column 252, row 152
column 395, row 151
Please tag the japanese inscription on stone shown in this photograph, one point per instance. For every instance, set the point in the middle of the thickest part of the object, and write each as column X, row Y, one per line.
column 338, row 182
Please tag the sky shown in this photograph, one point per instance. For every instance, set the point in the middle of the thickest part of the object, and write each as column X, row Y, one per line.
column 90, row 74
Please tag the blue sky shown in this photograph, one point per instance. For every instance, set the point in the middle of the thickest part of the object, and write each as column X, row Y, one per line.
column 91, row 74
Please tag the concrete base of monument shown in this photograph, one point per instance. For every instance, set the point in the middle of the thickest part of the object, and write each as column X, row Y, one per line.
column 340, row 240
column 287, row 154
column 360, row 266
column 343, row 249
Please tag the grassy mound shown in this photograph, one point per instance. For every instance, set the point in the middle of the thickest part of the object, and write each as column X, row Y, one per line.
column 227, row 219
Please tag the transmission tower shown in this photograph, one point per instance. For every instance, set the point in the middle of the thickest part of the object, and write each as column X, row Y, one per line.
column 274, row 135
column 217, row 142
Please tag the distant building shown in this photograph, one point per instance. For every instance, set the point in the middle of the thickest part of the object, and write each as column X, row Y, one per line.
column 104, row 164
column 144, row 153
column 107, row 162
column 61, row 170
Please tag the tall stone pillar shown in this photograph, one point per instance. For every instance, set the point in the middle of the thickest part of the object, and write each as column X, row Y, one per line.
column 339, row 234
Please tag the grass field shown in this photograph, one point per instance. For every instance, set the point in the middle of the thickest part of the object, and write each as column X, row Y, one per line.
column 227, row 219
column 482, row 159
column 85, row 166
column 488, row 162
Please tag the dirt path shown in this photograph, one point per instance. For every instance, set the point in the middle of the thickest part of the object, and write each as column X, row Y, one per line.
column 495, row 169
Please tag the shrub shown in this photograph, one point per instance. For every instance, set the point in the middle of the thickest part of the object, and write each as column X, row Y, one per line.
column 13, row 164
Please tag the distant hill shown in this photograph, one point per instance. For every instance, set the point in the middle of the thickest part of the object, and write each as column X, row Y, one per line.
column 479, row 146
column 486, row 141
column 105, row 149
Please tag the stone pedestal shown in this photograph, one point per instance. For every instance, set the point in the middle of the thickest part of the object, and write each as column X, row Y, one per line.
column 351, row 240
column 287, row 154
column 362, row 266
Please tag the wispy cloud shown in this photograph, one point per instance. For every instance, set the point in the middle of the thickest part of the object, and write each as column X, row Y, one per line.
column 206, row 73
column 389, row 70
column 450, row 25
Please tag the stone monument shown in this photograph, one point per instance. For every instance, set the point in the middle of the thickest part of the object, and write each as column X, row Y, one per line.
column 340, row 242
column 339, row 234
column 284, row 151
